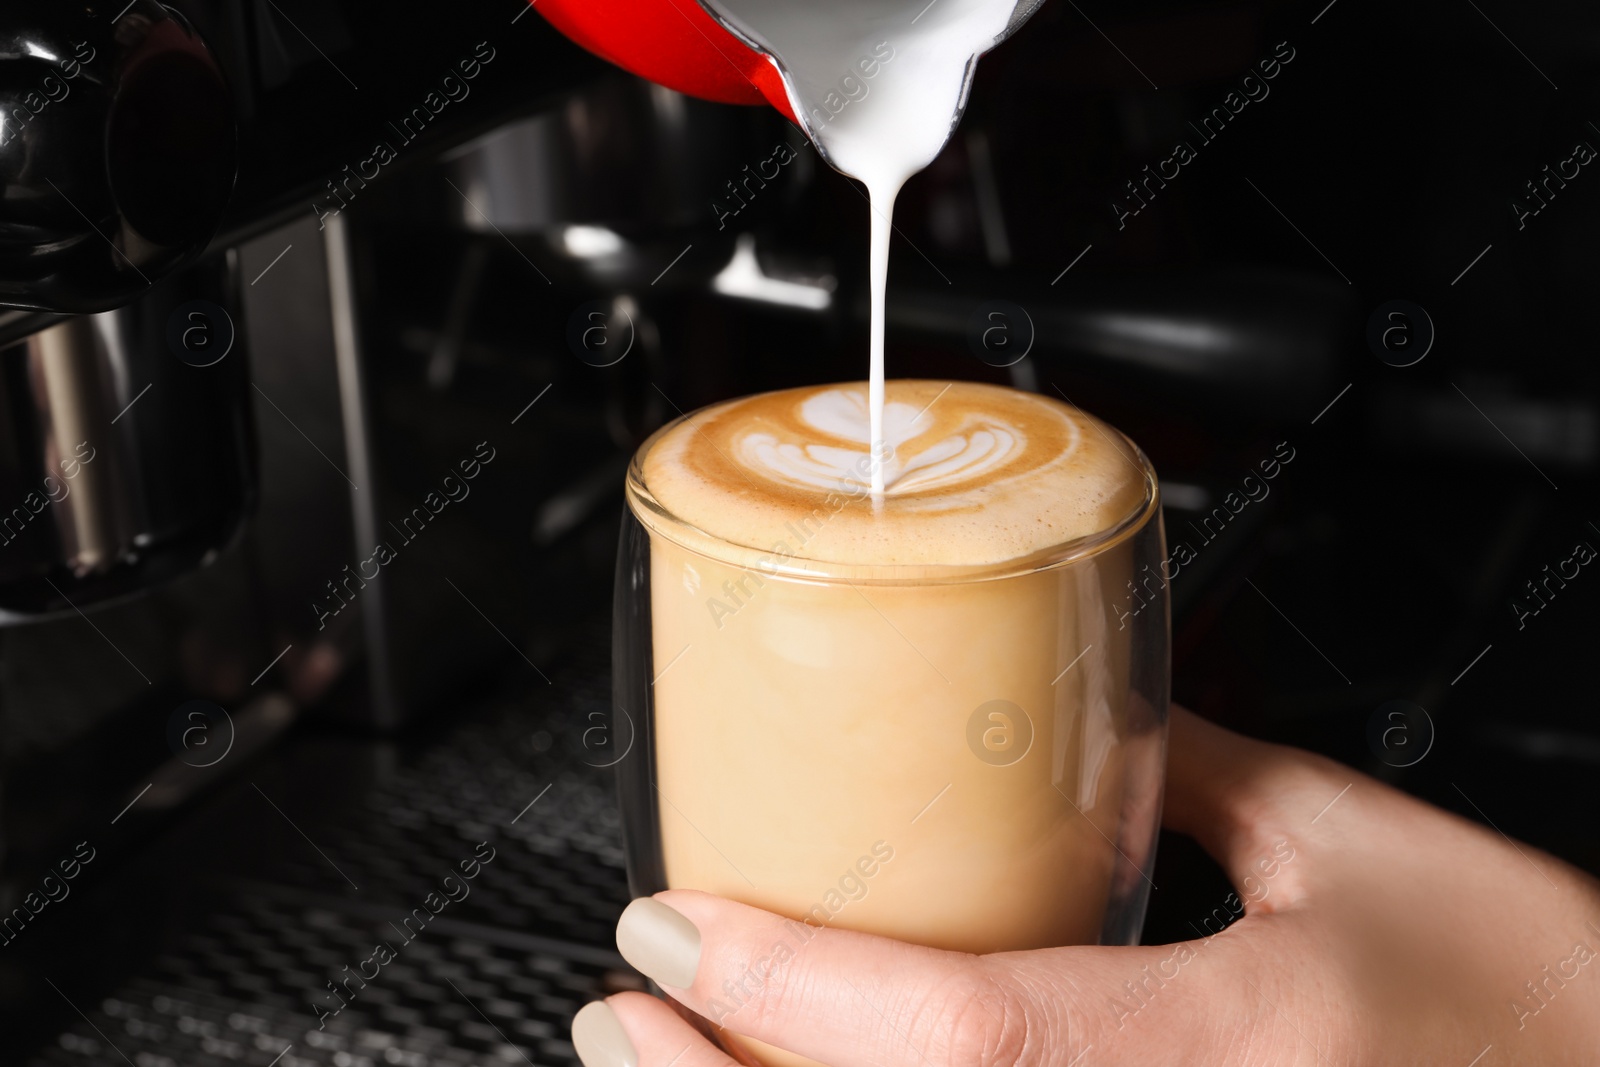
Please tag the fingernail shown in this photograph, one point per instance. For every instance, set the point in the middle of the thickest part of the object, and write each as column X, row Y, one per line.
column 660, row 943
column 598, row 1036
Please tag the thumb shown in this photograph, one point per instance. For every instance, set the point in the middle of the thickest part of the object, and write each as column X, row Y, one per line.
column 838, row 996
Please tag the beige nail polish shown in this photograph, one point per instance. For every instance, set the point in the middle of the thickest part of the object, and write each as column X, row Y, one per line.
column 660, row 942
column 598, row 1036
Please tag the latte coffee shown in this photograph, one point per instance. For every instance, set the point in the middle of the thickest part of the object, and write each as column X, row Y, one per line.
column 933, row 713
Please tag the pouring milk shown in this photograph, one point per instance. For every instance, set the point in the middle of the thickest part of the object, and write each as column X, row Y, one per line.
column 879, row 86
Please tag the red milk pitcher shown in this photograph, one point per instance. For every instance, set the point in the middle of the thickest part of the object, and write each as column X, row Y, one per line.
column 673, row 43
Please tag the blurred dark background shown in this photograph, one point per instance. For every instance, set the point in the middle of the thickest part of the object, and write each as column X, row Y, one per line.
column 249, row 846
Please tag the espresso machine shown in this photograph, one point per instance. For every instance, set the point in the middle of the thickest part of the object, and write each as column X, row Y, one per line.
column 327, row 330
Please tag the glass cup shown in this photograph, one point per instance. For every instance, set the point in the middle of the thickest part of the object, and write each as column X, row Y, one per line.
column 965, row 757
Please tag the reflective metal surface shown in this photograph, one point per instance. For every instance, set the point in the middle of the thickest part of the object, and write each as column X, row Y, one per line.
column 610, row 188
column 122, row 463
column 117, row 151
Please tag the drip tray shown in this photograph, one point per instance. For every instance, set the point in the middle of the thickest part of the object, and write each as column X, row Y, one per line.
column 263, row 945
column 238, row 994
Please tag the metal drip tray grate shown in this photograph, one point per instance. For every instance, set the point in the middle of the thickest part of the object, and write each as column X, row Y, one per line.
column 493, row 978
column 238, row 994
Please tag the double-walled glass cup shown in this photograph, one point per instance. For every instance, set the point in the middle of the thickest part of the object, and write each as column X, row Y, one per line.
column 966, row 757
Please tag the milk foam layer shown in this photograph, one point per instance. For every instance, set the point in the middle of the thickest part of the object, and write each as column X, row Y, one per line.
column 973, row 474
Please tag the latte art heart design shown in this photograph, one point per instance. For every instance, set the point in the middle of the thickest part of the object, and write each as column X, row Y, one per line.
column 910, row 465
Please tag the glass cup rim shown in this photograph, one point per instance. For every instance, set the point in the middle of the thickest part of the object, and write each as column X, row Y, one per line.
column 660, row 521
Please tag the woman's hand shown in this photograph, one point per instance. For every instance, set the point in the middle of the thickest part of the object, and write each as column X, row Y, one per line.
column 1377, row 930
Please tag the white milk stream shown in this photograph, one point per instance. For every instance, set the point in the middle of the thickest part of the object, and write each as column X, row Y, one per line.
column 879, row 85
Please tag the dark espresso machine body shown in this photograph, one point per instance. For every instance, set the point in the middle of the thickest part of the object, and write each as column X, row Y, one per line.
column 118, row 152
column 128, row 456
column 140, row 143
